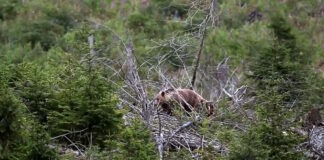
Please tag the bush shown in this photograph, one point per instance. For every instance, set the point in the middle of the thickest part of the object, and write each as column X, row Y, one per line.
column 21, row 136
column 10, row 119
column 281, row 82
column 8, row 9
column 41, row 31
column 283, row 67
column 139, row 22
column 264, row 141
column 134, row 142
column 86, row 102
column 37, row 144
column 34, row 87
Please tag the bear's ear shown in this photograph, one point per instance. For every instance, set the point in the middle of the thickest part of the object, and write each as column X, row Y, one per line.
column 162, row 93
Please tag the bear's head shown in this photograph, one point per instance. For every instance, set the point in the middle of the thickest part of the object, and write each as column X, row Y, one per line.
column 162, row 99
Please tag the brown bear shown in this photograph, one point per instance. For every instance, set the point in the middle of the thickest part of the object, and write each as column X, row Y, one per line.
column 187, row 98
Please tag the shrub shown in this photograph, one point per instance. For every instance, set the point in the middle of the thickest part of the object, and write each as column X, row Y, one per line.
column 8, row 9
column 86, row 102
column 10, row 119
column 21, row 136
column 134, row 142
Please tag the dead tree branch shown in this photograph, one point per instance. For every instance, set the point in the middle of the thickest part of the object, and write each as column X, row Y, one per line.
column 178, row 130
column 65, row 134
column 136, row 84
column 199, row 52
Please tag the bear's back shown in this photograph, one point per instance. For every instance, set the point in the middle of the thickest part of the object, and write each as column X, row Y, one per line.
column 189, row 96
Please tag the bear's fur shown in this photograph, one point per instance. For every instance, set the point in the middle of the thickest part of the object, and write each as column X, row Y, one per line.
column 187, row 98
column 313, row 118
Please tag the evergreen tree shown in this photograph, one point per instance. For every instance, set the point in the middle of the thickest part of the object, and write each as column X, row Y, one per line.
column 283, row 66
column 34, row 86
column 10, row 115
column 280, row 77
column 86, row 102
column 21, row 136
column 135, row 143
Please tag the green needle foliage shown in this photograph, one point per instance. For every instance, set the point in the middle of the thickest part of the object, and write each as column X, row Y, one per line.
column 136, row 143
column 22, row 137
column 86, row 102
column 10, row 115
column 283, row 67
column 50, row 86
column 280, row 75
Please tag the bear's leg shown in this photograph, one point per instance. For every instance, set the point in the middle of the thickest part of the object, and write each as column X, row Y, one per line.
column 186, row 107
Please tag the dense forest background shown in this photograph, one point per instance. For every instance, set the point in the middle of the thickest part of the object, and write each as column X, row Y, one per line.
column 66, row 93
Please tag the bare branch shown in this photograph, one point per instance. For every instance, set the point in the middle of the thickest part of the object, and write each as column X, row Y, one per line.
column 178, row 130
column 65, row 134
column 199, row 52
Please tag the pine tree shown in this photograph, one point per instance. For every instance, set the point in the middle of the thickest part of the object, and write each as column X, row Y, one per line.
column 22, row 137
column 10, row 114
column 34, row 86
column 283, row 66
column 86, row 102
column 10, row 120
column 280, row 76
column 135, row 142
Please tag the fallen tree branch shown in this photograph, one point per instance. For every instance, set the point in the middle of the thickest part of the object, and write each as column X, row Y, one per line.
column 65, row 134
column 178, row 130
column 72, row 143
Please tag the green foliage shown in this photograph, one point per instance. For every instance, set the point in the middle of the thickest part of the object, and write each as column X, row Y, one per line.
column 264, row 141
column 48, row 86
column 135, row 142
column 271, row 137
column 44, row 27
column 184, row 154
column 37, row 144
column 168, row 7
column 283, row 67
column 87, row 102
column 10, row 115
column 9, row 9
column 63, row 17
column 14, row 54
column 233, row 19
column 280, row 77
column 240, row 44
column 139, row 22
column 41, row 31
column 21, row 137
column 34, row 87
